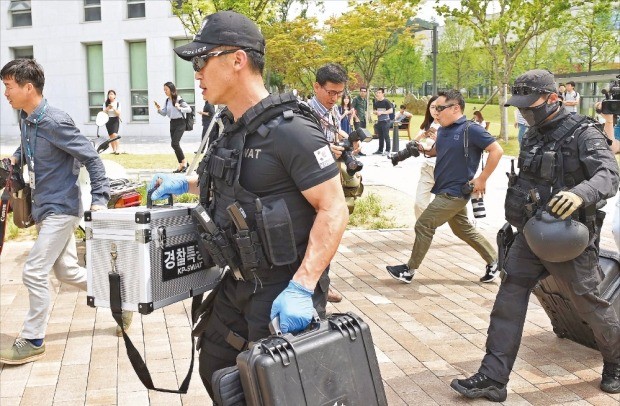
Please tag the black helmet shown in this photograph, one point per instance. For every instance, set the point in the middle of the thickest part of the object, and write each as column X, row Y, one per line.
column 555, row 240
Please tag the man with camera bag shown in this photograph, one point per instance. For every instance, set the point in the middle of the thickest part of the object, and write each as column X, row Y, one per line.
column 458, row 148
column 49, row 139
column 566, row 171
column 271, row 206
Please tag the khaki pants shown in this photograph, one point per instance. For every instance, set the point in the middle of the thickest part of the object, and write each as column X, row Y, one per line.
column 453, row 210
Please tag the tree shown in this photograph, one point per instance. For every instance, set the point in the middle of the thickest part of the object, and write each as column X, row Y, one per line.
column 192, row 12
column 457, row 55
column 506, row 32
column 293, row 53
column 595, row 37
column 363, row 35
column 403, row 65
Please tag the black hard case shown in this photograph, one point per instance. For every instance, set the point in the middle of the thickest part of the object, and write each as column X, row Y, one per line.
column 563, row 314
column 333, row 363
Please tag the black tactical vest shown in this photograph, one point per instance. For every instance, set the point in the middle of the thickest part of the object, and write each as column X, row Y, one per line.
column 219, row 174
column 548, row 163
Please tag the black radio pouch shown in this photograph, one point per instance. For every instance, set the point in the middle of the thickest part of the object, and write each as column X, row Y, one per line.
column 517, row 198
column 548, row 166
column 250, row 250
column 278, row 229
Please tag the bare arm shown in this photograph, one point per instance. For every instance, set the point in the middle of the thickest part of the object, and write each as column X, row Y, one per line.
column 495, row 154
column 331, row 219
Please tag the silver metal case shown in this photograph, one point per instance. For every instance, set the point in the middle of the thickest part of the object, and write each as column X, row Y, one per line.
column 153, row 250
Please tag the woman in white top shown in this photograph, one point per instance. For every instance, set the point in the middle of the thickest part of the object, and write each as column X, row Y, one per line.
column 426, row 136
column 175, row 108
column 113, row 109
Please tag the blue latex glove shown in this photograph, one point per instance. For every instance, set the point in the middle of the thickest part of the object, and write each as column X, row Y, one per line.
column 169, row 185
column 294, row 306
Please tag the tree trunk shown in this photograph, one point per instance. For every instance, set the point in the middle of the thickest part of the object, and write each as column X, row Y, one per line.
column 503, row 132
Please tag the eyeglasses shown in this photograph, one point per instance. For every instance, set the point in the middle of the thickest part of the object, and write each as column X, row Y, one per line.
column 333, row 93
column 525, row 90
column 442, row 108
column 199, row 61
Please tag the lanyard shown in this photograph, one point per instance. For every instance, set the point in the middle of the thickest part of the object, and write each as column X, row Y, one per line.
column 29, row 151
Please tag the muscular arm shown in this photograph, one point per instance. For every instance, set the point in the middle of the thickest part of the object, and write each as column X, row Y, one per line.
column 495, row 154
column 331, row 219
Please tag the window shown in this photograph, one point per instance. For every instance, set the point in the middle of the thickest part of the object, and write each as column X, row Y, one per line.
column 23, row 52
column 184, row 76
column 21, row 15
column 138, row 81
column 135, row 9
column 96, row 95
column 92, row 10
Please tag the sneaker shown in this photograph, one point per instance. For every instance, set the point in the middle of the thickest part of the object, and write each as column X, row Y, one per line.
column 491, row 273
column 127, row 316
column 401, row 272
column 22, row 352
column 361, row 154
column 333, row 296
column 611, row 378
column 480, row 386
column 378, row 153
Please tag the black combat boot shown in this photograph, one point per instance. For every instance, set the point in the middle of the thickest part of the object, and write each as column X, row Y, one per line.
column 480, row 386
column 611, row 378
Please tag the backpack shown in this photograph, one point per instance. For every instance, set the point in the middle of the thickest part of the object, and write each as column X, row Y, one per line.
column 189, row 118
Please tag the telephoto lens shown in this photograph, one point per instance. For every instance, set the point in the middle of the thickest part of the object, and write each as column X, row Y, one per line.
column 479, row 209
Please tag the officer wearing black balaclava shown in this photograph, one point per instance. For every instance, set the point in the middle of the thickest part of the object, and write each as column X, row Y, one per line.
column 566, row 169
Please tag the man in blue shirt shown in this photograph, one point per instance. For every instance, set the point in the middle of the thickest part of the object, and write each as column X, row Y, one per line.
column 458, row 157
column 50, row 140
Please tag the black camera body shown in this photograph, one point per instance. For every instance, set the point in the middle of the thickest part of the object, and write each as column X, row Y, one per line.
column 611, row 104
column 358, row 134
column 16, row 178
column 411, row 149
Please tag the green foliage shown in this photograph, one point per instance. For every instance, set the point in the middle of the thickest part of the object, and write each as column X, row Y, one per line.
column 505, row 28
column 15, row 233
column 403, row 65
column 368, row 214
column 457, row 55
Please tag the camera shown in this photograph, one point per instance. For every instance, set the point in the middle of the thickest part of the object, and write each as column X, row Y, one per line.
column 611, row 104
column 358, row 134
column 477, row 204
column 16, row 178
column 411, row 149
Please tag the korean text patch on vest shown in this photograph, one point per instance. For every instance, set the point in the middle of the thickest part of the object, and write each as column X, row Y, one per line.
column 324, row 156
column 155, row 254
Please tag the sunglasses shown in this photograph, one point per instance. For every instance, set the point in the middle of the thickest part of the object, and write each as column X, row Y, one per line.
column 442, row 108
column 333, row 93
column 199, row 61
column 524, row 90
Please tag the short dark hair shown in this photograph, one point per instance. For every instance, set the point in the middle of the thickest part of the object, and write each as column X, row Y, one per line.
column 402, row 106
column 257, row 60
column 24, row 70
column 571, row 83
column 332, row 72
column 561, row 84
column 380, row 89
column 454, row 95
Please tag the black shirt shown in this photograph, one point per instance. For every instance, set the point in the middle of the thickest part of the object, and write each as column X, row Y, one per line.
column 383, row 104
column 208, row 108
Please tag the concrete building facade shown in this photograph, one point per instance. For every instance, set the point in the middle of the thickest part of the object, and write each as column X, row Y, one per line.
column 87, row 47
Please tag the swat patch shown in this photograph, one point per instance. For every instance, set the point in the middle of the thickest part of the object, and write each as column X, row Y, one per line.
column 324, row 156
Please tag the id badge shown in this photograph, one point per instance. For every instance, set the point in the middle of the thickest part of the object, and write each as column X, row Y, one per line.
column 31, row 178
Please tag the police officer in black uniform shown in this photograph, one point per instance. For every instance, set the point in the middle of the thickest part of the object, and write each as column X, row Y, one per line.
column 272, row 162
column 566, row 169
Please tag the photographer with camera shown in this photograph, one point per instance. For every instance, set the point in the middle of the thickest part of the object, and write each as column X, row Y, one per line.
column 566, row 171
column 459, row 148
column 330, row 84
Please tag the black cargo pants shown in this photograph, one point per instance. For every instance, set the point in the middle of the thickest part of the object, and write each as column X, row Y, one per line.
column 579, row 278
column 244, row 307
